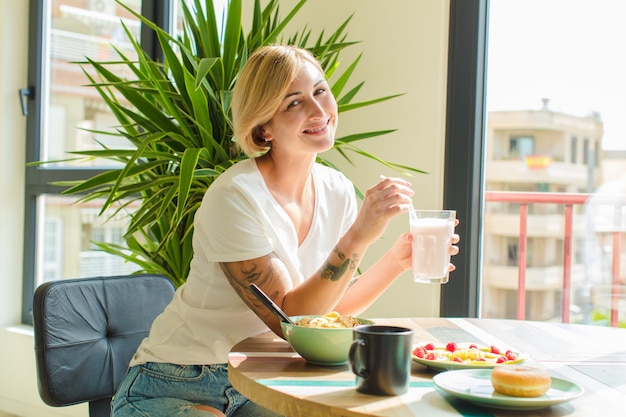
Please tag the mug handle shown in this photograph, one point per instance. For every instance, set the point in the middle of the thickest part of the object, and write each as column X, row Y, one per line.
column 352, row 355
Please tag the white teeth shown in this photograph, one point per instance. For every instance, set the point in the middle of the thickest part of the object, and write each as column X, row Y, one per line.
column 315, row 130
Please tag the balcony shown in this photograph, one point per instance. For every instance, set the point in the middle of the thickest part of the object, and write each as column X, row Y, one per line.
column 581, row 289
column 518, row 171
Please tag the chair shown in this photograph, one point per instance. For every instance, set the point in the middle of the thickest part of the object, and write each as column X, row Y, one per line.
column 87, row 330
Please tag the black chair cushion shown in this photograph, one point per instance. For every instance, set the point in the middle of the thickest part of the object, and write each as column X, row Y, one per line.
column 87, row 330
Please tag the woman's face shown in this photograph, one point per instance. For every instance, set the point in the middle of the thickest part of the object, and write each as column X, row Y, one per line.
column 306, row 120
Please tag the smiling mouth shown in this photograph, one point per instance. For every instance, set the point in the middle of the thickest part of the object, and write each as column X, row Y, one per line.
column 318, row 129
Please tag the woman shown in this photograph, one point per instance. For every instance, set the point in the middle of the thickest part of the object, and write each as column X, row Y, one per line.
column 278, row 220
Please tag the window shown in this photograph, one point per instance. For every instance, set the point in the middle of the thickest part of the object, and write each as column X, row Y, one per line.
column 521, row 146
column 52, row 243
column 529, row 93
column 586, row 149
column 64, row 116
column 533, row 73
column 511, row 249
column 574, row 150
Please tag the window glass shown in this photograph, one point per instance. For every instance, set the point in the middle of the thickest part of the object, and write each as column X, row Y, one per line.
column 555, row 91
column 72, row 117
column 74, row 114
column 69, row 233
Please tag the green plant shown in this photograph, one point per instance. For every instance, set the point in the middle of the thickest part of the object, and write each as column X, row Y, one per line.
column 176, row 115
column 602, row 318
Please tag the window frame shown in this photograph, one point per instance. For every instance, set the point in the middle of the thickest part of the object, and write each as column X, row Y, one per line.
column 463, row 186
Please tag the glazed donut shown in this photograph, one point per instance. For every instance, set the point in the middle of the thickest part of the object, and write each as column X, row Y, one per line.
column 520, row 381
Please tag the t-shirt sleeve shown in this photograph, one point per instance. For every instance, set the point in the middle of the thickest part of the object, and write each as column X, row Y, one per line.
column 229, row 226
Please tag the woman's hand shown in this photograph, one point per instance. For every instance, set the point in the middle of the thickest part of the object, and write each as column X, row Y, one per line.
column 403, row 249
column 383, row 201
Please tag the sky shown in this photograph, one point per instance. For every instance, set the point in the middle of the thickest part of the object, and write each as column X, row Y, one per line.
column 572, row 52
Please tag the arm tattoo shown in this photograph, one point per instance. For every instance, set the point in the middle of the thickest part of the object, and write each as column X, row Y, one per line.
column 335, row 272
column 242, row 274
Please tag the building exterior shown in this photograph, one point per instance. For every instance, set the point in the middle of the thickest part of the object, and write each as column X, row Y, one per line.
column 606, row 253
column 536, row 151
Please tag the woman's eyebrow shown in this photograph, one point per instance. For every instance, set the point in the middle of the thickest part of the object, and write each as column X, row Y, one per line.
column 295, row 93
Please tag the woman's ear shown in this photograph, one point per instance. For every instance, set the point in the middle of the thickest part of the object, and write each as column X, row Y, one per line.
column 265, row 134
column 260, row 135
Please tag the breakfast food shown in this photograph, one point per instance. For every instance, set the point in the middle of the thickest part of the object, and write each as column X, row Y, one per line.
column 329, row 320
column 520, row 381
column 469, row 354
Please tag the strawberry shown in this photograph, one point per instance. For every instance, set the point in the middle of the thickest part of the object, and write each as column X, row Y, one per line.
column 511, row 356
column 429, row 346
column 451, row 347
column 495, row 350
column 420, row 352
column 501, row 359
column 430, row 356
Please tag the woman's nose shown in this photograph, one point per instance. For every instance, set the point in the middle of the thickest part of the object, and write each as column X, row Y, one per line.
column 317, row 110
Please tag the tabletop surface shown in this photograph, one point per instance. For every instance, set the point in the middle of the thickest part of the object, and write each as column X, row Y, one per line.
column 266, row 370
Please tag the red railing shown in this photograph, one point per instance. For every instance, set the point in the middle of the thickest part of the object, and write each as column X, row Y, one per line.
column 568, row 200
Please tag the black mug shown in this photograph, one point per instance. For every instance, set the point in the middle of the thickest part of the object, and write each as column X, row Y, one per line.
column 380, row 357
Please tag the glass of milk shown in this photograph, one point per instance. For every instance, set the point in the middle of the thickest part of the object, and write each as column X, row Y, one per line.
column 432, row 232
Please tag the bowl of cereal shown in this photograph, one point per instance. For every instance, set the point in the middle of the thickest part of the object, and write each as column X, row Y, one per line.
column 322, row 339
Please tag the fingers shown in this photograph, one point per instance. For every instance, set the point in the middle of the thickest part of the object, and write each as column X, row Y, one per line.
column 392, row 185
column 402, row 250
column 392, row 193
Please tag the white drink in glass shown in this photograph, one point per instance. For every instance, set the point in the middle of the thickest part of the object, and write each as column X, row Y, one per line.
column 432, row 233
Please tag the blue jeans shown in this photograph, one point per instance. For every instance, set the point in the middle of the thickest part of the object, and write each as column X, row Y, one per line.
column 167, row 390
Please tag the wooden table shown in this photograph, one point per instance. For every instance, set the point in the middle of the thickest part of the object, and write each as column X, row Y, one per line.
column 266, row 370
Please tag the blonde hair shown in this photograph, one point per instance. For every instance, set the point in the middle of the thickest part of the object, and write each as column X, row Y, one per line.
column 261, row 87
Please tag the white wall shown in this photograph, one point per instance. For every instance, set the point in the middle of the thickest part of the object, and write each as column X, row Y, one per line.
column 13, row 51
column 15, row 348
column 18, row 386
column 404, row 45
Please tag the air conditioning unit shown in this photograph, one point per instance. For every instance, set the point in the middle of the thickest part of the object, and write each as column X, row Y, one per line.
column 107, row 7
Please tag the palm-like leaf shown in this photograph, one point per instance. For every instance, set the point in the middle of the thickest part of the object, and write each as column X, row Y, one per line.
column 176, row 116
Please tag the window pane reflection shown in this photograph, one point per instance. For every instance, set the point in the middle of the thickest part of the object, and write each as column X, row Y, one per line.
column 68, row 231
column 72, row 117
column 74, row 113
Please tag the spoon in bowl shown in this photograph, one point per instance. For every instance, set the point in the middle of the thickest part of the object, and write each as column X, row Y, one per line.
column 270, row 304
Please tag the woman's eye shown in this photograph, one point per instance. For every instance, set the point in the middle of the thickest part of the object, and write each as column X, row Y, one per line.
column 293, row 104
column 320, row 91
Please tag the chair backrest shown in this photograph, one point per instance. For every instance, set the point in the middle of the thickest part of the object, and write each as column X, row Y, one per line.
column 86, row 332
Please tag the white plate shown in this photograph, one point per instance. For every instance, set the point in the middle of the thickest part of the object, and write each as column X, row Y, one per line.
column 447, row 365
column 474, row 385
column 441, row 365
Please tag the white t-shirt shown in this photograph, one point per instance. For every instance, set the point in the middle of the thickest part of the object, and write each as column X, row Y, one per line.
column 238, row 220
